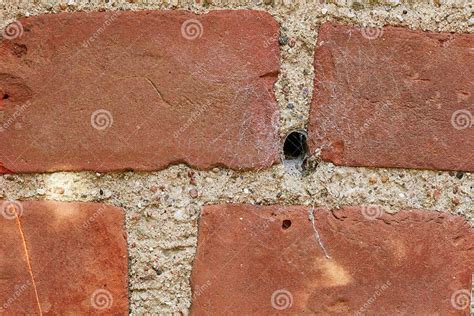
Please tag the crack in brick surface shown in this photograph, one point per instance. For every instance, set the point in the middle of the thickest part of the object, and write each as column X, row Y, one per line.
column 28, row 259
column 316, row 232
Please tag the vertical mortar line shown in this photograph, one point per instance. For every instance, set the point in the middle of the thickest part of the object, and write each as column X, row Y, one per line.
column 30, row 270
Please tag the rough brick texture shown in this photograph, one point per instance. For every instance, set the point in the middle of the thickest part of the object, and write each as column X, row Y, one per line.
column 267, row 259
column 393, row 97
column 140, row 90
column 65, row 258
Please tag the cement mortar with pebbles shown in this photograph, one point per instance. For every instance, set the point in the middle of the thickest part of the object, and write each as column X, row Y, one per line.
column 162, row 207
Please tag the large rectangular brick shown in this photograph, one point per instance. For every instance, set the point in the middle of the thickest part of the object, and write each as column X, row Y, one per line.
column 61, row 258
column 261, row 260
column 139, row 90
column 393, row 97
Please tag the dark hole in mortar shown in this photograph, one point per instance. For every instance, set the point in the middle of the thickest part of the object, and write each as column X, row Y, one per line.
column 286, row 224
column 295, row 146
column 5, row 96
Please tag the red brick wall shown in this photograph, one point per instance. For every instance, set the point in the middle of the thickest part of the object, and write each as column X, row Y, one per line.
column 140, row 91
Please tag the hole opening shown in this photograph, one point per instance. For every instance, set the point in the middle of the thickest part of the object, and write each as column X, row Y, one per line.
column 295, row 146
column 286, row 224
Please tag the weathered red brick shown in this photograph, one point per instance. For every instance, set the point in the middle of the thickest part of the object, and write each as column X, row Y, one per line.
column 261, row 259
column 77, row 253
column 140, row 90
column 393, row 97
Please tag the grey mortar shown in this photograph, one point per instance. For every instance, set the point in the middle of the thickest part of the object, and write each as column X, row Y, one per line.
column 162, row 225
